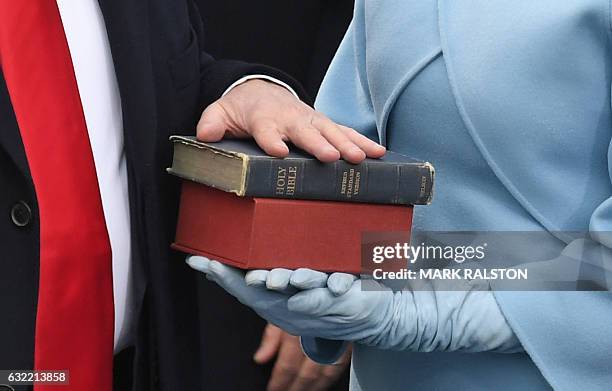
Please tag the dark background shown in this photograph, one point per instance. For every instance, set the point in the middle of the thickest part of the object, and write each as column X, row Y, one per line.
column 299, row 37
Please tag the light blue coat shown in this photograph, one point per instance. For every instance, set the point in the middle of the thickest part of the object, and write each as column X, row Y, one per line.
column 531, row 82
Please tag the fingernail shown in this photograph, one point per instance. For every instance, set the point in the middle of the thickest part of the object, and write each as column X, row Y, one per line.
column 281, row 145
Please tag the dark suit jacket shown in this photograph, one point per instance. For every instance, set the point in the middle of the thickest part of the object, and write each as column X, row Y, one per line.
column 165, row 80
column 298, row 36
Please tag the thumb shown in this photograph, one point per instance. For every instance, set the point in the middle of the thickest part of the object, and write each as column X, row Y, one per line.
column 213, row 123
column 270, row 342
column 340, row 283
column 314, row 302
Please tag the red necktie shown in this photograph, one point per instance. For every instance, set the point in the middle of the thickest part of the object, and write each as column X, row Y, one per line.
column 75, row 318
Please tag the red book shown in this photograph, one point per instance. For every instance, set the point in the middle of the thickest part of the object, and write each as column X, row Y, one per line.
column 266, row 233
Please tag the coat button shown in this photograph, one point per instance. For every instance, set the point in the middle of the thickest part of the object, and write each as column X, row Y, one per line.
column 21, row 214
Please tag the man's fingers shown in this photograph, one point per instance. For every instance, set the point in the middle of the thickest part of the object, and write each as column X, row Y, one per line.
column 337, row 137
column 270, row 342
column 310, row 140
column 213, row 123
column 371, row 148
column 329, row 376
column 288, row 364
column 309, row 378
column 269, row 139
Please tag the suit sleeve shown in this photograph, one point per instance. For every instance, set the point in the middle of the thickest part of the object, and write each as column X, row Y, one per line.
column 217, row 75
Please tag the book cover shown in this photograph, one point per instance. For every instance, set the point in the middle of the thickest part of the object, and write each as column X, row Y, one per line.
column 266, row 233
column 239, row 166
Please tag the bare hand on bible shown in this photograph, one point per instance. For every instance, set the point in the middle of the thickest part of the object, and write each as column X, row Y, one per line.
column 273, row 116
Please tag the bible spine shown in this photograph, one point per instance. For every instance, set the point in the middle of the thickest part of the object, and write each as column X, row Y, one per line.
column 371, row 181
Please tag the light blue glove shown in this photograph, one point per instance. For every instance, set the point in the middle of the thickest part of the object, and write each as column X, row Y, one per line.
column 420, row 320
column 282, row 280
column 276, row 306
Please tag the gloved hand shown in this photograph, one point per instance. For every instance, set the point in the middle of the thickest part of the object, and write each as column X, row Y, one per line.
column 276, row 307
column 283, row 280
column 420, row 320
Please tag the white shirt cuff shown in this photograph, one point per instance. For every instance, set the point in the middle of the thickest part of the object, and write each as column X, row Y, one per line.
column 264, row 77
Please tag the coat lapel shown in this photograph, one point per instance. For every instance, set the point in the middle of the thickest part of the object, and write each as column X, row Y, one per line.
column 531, row 83
column 10, row 138
column 396, row 21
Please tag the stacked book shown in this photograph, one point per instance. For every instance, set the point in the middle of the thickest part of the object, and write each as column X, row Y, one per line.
column 252, row 211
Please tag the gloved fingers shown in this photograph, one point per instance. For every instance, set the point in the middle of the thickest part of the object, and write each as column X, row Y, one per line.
column 198, row 263
column 225, row 275
column 214, row 269
column 340, row 283
column 256, row 278
column 275, row 280
column 282, row 280
column 231, row 279
column 308, row 279
column 278, row 279
column 312, row 302
column 268, row 304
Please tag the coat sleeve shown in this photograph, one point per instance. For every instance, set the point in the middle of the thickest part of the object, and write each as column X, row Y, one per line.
column 345, row 98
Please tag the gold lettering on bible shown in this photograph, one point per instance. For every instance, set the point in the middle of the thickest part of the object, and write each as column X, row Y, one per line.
column 286, row 180
column 351, row 182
